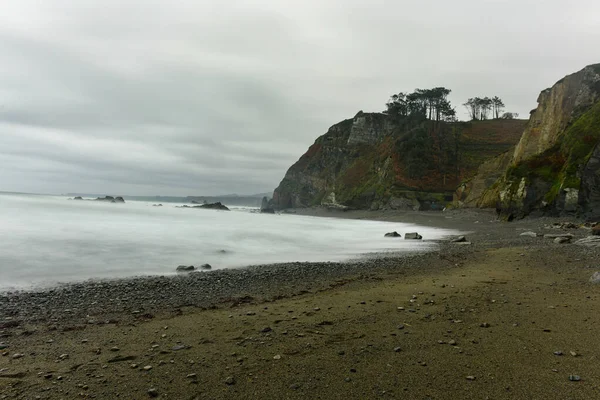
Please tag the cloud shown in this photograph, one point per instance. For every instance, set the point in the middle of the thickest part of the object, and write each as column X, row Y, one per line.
column 202, row 97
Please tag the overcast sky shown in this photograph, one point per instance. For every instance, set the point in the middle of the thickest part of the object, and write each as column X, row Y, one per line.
column 146, row 97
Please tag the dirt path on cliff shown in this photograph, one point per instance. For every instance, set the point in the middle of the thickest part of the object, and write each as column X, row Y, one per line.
column 487, row 328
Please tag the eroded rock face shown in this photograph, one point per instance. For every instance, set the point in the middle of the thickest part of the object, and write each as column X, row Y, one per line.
column 556, row 107
column 589, row 195
column 362, row 163
column 555, row 167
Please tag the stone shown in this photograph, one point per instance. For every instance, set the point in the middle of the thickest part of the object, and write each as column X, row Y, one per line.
column 397, row 349
column 459, row 239
column 561, row 240
column 529, row 234
column 3, row 346
column 206, row 266
column 574, row 378
column 452, row 342
column 590, row 241
column 277, row 357
column 18, row 355
column 185, row 268
column 595, row 278
column 413, row 236
column 558, row 235
column 230, row 380
column 147, row 368
column 558, row 353
column 471, row 378
column 152, row 392
column 484, row 325
column 294, row 386
column 392, row 234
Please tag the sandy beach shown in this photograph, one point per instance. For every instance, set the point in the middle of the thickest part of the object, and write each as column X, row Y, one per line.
column 506, row 317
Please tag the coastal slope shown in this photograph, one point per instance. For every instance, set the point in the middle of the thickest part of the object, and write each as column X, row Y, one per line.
column 377, row 161
column 555, row 167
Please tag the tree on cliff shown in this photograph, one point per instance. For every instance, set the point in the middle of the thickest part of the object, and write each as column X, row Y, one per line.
column 479, row 108
column 431, row 104
column 498, row 105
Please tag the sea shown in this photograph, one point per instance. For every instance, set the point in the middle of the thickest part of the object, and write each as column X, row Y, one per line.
column 52, row 240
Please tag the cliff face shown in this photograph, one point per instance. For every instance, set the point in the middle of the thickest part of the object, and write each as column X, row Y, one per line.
column 555, row 167
column 374, row 161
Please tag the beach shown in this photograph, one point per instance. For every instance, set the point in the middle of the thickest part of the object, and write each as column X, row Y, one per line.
column 505, row 317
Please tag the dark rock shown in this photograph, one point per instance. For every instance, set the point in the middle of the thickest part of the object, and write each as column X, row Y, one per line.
column 206, row 266
column 265, row 207
column 230, row 380
column 413, row 236
column 77, row 198
column 561, row 240
column 392, row 234
column 213, row 206
column 152, row 392
column 185, row 268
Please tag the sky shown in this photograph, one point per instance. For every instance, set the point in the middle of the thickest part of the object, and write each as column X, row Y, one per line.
column 201, row 97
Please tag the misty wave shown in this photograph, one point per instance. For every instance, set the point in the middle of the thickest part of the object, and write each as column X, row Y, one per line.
column 47, row 240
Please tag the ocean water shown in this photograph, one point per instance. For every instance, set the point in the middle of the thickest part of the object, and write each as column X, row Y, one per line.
column 47, row 240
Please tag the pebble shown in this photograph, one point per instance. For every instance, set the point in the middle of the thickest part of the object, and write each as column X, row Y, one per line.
column 294, row 386
column 574, row 378
column 152, row 392
column 266, row 329
column 147, row 368
column 230, row 380
column 341, row 352
column 250, row 313
column 558, row 353
column 397, row 349
column 401, row 326
column 115, row 348
column 18, row 355
column 3, row 346
column 574, row 354
column 277, row 357
column 471, row 378
column 484, row 325
column 191, row 376
column 452, row 342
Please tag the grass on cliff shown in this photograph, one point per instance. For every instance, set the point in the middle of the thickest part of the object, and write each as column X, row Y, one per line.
column 561, row 165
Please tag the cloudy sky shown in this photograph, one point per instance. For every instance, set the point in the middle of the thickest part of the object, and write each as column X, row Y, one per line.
column 180, row 97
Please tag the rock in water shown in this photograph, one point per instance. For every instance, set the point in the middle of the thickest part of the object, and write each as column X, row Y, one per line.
column 206, row 266
column 265, row 208
column 185, row 268
column 459, row 239
column 78, row 198
column 413, row 236
column 392, row 234
column 214, row 206
column 595, row 278
column 529, row 234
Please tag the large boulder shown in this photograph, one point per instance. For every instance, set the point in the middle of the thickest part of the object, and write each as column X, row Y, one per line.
column 392, row 234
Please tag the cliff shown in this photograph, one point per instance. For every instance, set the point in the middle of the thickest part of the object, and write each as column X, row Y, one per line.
column 377, row 161
column 555, row 167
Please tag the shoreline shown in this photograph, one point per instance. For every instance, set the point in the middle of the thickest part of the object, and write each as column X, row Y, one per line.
column 390, row 327
column 264, row 281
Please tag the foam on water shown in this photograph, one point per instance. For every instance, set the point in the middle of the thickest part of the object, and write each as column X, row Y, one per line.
column 46, row 240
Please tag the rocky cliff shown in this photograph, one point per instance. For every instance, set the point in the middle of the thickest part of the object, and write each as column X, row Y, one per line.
column 375, row 161
column 555, row 167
